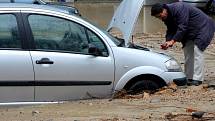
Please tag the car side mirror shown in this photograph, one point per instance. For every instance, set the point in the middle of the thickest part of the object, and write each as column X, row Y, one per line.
column 93, row 50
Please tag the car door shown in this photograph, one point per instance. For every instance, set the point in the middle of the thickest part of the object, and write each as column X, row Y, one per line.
column 16, row 69
column 64, row 68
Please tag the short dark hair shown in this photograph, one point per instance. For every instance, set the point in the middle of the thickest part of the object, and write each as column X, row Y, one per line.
column 156, row 9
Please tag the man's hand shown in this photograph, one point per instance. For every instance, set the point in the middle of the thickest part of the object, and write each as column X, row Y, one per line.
column 167, row 44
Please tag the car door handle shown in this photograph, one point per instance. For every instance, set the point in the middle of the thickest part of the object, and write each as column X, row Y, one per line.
column 44, row 61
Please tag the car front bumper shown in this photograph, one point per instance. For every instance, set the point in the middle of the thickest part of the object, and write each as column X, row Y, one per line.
column 179, row 78
column 180, row 81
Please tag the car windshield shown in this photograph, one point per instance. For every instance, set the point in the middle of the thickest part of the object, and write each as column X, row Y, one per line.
column 118, row 42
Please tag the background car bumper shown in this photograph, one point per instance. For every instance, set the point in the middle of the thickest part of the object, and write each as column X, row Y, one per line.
column 198, row 4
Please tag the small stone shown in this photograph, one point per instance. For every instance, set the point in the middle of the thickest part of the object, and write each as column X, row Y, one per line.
column 50, row 120
column 35, row 112
column 156, row 100
column 146, row 95
column 205, row 86
column 90, row 104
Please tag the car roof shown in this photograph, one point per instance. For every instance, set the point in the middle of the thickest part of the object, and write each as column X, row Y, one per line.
column 20, row 6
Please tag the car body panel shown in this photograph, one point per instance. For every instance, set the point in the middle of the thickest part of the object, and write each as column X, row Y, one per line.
column 71, row 67
column 122, row 54
column 68, row 93
column 144, row 70
column 125, row 17
column 18, row 60
column 126, row 70
column 15, row 70
column 134, row 72
column 74, row 70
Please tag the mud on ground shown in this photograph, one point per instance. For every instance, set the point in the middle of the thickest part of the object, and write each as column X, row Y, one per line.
column 170, row 103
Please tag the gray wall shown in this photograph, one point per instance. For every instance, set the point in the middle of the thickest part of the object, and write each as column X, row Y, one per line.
column 151, row 2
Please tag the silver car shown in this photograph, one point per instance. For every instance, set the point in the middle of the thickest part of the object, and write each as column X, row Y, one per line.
column 196, row 3
column 207, row 6
column 47, row 54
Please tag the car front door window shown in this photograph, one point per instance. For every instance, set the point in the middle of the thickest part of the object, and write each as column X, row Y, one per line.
column 56, row 34
column 51, row 33
column 96, row 41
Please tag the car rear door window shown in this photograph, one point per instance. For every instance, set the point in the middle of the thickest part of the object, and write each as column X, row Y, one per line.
column 9, row 33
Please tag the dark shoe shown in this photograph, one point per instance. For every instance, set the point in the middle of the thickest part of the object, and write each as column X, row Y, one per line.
column 196, row 82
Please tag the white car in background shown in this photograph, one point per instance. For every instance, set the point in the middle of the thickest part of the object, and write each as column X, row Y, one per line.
column 47, row 54
column 196, row 3
column 208, row 6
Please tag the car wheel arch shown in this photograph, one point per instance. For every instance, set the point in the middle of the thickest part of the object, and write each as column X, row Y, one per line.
column 145, row 78
column 143, row 72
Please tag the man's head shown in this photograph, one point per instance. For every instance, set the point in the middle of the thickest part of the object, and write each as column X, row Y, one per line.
column 159, row 11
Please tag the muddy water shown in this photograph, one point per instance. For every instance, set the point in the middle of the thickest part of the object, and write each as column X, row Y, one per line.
column 101, row 14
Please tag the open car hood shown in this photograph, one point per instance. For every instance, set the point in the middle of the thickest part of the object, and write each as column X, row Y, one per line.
column 125, row 17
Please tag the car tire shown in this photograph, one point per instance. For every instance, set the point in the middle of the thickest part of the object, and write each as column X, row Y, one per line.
column 143, row 85
column 210, row 7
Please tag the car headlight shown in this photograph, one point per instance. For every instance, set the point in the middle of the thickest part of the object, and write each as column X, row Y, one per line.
column 173, row 66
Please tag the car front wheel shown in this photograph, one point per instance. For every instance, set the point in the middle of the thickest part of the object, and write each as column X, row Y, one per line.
column 143, row 85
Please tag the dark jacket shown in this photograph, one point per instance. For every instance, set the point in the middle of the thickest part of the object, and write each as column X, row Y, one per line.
column 185, row 22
